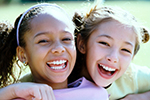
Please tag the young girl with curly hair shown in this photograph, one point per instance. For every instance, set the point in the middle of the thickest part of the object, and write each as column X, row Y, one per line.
column 43, row 39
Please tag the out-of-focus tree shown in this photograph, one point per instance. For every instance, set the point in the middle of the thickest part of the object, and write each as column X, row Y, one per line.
column 5, row 1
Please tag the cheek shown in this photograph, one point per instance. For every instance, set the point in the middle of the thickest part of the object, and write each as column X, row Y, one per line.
column 91, row 62
column 36, row 55
column 74, row 56
column 95, row 53
column 125, row 64
column 72, row 52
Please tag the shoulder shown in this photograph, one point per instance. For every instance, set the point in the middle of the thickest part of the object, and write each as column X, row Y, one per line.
column 138, row 72
column 85, row 90
column 134, row 80
column 143, row 78
column 91, row 88
column 84, row 83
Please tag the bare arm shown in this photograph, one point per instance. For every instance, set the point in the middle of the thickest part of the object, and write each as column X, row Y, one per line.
column 27, row 91
column 7, row 92
column 141, row 96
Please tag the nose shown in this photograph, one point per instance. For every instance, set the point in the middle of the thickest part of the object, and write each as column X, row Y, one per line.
column 112, row 57
column 58, row 48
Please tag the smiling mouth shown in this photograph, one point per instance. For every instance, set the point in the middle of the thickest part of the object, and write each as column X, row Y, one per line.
column 57, row 65
column 106, row 70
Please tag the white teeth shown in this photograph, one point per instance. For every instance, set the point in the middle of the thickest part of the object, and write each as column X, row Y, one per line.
column 108, row 69
column 58, row 67
column 57, row 62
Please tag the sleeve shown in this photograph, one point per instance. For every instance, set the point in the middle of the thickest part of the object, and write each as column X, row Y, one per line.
column 121, row 87
column 135, row 80
column 143, row 77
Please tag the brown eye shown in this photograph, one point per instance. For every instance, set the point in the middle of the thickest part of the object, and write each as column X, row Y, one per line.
column 126, row 50
column 66, row 39
column 42, row 41
column 104, row 43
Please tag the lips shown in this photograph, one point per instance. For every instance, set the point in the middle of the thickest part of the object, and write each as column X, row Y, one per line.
column 57, row 64
column 106, row 72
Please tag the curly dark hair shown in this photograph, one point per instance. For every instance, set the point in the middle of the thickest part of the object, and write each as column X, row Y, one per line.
column 8, row 43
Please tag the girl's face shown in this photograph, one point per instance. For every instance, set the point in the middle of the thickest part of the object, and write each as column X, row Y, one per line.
column 50, row 49
column 109, row 51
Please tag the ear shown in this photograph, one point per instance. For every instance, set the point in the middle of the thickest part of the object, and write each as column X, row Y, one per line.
column 21, row 54
column 80, row 44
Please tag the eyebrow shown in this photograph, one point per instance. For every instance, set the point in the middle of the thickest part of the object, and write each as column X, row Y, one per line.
column 42, row 33
column 103, row 35
column 129, row 43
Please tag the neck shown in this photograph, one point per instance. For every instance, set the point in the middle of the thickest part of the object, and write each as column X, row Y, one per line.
column 60, row 85
column 86, row 74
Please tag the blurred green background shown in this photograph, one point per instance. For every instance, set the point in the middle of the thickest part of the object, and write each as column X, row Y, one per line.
column 139, row 8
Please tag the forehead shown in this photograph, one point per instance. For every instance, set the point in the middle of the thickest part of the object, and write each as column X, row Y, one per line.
column 55, row 11
column 116, row 30
column 58, row 14
column 51, row 16
column 46, row 22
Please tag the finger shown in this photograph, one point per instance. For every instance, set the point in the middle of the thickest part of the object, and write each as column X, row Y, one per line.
column 19, row 99
column 36, row 93
column 50, row 94
column 43, row 93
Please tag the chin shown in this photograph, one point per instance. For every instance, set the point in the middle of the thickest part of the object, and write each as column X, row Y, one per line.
column 103, row 83
column 60, row 80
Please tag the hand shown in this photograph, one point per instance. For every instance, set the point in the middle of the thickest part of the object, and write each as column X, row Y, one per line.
column 33, row 91
column 142, row 96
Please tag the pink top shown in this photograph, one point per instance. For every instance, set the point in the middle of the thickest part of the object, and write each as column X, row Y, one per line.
column 81, row 89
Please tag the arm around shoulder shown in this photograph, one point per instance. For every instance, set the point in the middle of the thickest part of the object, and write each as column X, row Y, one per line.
column 143, row 83
column 142, row 96
column 8, row 92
